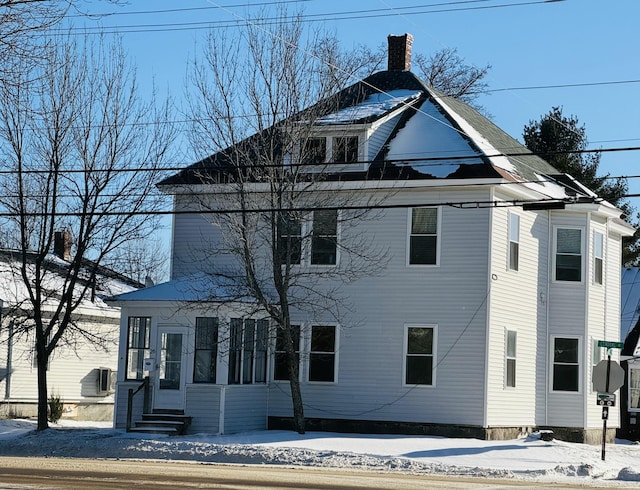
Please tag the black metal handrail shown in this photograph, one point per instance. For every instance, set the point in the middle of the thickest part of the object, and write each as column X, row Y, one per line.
column 133, row 392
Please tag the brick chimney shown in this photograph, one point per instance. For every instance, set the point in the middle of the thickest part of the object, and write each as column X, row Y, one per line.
column 62, row 242
column 400, row 52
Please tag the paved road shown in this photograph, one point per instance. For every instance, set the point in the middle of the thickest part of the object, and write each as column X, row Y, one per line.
column 65, row 473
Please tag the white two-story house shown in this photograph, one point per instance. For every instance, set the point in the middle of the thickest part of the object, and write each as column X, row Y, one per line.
column 500, row 276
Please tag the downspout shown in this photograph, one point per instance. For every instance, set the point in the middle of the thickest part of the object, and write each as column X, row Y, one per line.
column 7, row 382
column 487, row 330
column 223, row 393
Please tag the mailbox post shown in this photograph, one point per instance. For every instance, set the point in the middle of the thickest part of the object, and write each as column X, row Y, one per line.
column 607, row 377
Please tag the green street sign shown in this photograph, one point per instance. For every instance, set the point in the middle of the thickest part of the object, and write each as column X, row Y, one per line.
column 610, row 345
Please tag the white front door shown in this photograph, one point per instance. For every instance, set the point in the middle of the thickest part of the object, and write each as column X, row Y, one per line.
column 170, row 372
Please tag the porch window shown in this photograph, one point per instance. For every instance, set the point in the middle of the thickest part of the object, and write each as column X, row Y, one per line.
column 598, row 257
column 634, row 389
column 248, row 351
column 322, row 357
column 324, row 238
column 568, row 255
column 423, row 236
column 206, row 350
column 511, row 359
column 566, row 364
column 137, row 346
column 280, row 367
column 420, row 353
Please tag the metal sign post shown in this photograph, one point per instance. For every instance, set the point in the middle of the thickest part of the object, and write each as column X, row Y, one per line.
column 609, row 387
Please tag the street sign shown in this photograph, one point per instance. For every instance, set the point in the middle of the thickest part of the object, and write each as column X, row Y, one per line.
column 606, row 400
column 599, row 376
column 610, row 345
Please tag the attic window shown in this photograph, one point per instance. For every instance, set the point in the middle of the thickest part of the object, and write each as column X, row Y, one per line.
column 345, row 149
column 313, row 151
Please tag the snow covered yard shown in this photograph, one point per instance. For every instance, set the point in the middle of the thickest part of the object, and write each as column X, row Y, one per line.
column 526, row 459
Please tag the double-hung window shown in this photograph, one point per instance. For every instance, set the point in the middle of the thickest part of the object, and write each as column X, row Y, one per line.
column 514, row 241
column 248, row 351
column 511, row 359
column 420, row 355
column 634, row 388
column 566, row 364
column 281, row 364
column 322, row 355
column 137, row 345
column 324, row 237
column 568, row 257
column 423, row 236
column 289, row 239
column 206, row 350
column 345, row 149
column 313, row 151
column 598, row 257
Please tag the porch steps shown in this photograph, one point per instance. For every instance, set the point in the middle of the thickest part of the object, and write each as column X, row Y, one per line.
column 170, row 422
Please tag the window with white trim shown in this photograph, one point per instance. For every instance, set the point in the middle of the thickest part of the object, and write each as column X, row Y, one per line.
column 137, row 346
column 248, row 351
column 322, row 353
column 566, row 364
column 510, row 359
column 634, row 388
column 289, row 239
column 205, row 350
column 313, row 151
column 345, row 149
column 568, row 254
column 423, row 236
column 514, row 241
column 419, row 355
column 324, row 237
column 598, row 257
column 280, row 363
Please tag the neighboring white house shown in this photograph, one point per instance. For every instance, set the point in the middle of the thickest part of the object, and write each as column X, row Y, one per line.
column 502, row 274
column 81, row 374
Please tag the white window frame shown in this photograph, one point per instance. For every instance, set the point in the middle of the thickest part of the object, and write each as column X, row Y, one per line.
column 309, row 239
column 309, row 352
column 275, row 352
column 329, row 163
column 633, row 366
column 438, row 236
column 555, row 254
column 598, row 257
column 508, row 358
column 434, row 355
column 552, row 363
column 513, row 238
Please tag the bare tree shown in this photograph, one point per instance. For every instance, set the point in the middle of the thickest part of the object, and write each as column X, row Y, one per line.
column 255, row 103
column 81, row 153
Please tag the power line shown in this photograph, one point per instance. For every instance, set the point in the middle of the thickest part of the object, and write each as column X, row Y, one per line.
column 566, row 85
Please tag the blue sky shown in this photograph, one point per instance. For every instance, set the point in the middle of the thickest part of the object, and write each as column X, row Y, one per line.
column 528, row 43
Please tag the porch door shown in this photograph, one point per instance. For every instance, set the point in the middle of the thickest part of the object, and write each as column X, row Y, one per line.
column 170, row 372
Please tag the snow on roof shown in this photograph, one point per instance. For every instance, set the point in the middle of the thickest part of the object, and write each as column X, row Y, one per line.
column 374, row 105
column 14, row 291
column 198, row 287
column 429, row 129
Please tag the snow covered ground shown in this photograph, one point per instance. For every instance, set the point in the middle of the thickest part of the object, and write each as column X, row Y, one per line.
column 529, row 459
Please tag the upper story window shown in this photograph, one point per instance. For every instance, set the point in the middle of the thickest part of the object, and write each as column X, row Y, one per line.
column 423, row 236
column 514, row 241
column 568, row 254
column 137, row 345
column 289, row 239
column 248, row 351
column 324, row 237
column 598, row 257
column 419, row 355
column 566, row 364
column 322, row 355
column 345, row 149
column 206, row 350
column 313, row 151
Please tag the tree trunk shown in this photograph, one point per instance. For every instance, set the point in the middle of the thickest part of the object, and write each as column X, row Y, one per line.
column 296, row 400
column 43, row 398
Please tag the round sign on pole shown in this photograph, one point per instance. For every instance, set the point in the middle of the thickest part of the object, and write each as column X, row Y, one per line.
column 599, row 377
